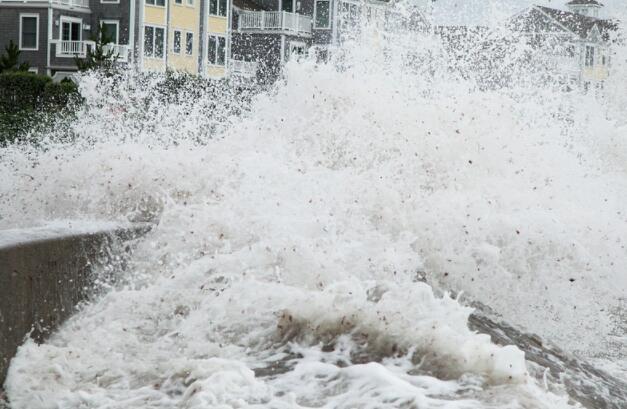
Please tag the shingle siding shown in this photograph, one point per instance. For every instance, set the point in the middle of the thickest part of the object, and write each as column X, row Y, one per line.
column 66, row 63
column 10, row 30
column 112, row 11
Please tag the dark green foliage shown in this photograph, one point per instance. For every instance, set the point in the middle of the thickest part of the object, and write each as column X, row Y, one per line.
column 29, row 100
column 9, row 61
column 97, row 57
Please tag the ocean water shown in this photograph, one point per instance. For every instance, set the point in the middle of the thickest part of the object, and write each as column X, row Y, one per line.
column 291, row 242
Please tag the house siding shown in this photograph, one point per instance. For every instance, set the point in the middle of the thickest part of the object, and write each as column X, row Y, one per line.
column 66, row 63
column 263, row 48
column 185, row 18
column 10, row 31
column 112, row 11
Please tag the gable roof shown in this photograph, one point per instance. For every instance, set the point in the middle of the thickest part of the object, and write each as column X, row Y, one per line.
column 577, row 23
column 539, row 19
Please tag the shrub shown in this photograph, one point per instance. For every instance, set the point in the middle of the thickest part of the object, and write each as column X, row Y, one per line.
column 28, row 99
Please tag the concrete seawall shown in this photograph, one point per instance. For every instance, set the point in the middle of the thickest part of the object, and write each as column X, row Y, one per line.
column 44, row 274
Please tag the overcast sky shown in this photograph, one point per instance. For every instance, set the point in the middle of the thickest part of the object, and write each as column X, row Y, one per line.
column 485, row 11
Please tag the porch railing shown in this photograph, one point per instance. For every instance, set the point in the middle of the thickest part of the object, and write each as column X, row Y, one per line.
column 72, row 48
column 247, row 69
column 275, row 21
column 119, row 50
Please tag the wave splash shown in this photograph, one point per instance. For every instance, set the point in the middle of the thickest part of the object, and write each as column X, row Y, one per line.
column 291, row 228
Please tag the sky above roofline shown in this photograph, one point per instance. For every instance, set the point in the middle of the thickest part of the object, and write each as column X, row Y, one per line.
column 490, row 12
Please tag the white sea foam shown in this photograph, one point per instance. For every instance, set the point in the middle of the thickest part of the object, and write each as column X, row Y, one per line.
column 289, row 241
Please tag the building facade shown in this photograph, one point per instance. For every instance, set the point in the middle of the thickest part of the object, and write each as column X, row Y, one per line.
column 270, row 32
column 156, row 35
column 51, row 33
column 576, row 41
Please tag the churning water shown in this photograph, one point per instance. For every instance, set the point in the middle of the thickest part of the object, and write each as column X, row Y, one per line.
column 285, row 266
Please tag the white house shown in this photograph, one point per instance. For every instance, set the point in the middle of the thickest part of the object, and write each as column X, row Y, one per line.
column 577, row 41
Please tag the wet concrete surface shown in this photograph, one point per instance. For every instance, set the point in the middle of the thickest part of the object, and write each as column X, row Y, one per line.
column 591, row 387
column 44, row 274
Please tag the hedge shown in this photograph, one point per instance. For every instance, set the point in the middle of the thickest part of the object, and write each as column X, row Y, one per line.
column 27, row 99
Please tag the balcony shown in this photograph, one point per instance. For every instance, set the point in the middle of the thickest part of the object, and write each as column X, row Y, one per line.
column 244, row 69
column 276, row 21
column 69, row 3
column 119, row 50
column 71, row 49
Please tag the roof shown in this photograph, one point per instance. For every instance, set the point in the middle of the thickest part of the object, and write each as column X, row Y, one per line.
column 584, row 3
column 578, row 23
column 539, row 19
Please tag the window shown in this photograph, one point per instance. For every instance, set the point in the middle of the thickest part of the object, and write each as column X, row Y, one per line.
column 189, row 43
column 111, row 29
column 34, row 70
column 154, row 38
column 160, row 3
column 176, row 46
column 216, row 50
column 178, row 1
column 321, row 14
column 71, row 29
column 177, row 42
column 296, row 49
column 110, row 1
column 29, row 32
column 589, row 56
column 190, row 2
column 217, row 7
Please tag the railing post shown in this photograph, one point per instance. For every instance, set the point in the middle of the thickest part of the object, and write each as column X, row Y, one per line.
column 297, row 23
column 263, row 19
column 283, row 20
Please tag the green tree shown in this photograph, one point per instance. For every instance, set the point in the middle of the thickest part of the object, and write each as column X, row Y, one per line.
column 9, row 61
column 99, row 57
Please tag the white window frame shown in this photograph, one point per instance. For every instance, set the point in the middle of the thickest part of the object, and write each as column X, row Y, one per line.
column 190, row 3
column 70, row 19
column 109, row 1
column 193, row 40
column 165, row 3
column 315, row 15
column 34, row 70
column 226, row 50
column 117, row 28
column 176, row 30
column 36, row 15
column 178, row 2
column 226, row 11
column 154, row 39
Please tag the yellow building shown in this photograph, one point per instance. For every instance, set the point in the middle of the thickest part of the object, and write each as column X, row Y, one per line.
column 184, row 35
column 217, row 17
column 153, row 32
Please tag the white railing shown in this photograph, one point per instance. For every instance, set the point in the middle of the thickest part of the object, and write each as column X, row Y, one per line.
column 274, row 21
column 72, row 48
column 246, row 69
column 71, row 3
column 119, row 50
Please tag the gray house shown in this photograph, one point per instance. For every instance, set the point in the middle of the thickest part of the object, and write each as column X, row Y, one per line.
column 270, row 32
column 50, row 33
